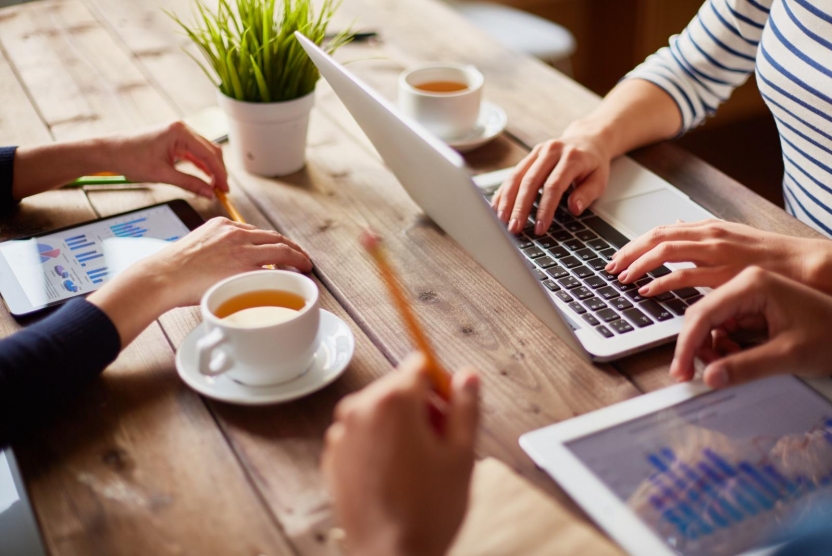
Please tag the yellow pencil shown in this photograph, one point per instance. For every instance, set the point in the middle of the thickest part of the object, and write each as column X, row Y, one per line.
column 438, row 375
column 229, row 206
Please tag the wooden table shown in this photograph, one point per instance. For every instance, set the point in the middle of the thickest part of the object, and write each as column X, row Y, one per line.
column 140, row 464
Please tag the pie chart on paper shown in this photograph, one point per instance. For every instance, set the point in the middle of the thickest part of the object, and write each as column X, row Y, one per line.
column 47, row 252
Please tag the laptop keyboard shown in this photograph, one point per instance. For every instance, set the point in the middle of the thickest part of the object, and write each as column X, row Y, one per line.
column 570, row 258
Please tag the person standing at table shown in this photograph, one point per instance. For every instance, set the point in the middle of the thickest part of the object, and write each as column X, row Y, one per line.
column 788, row 44
column 52, row 360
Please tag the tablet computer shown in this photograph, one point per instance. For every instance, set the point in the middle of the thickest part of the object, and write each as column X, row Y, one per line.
column 688, row 471
column 51, row 268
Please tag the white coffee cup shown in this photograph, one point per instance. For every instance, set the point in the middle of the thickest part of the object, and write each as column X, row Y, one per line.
column 448, row 115
column 263, row 355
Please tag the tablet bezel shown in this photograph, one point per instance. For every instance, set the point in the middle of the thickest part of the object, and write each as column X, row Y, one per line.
column 547, row 448
column 15, row 298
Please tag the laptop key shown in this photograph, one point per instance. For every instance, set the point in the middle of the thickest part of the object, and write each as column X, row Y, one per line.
column 677, row 306
column 620, row 303
column 551, row 285
column 544, row 262
column 574, row 226
column 595, row 282
column 605, row 231
column 691, row 300
column 607, row 253
column 607, row 276
column 607, row 293
column 569, row 282
column 590, row 318
column 659, row 272
column 598, row 244
column 533, row 252
column 586, row 254
column 581, row 293
column 643, row 282
column 656, row 311
column 573, row 244
column 684, row 293
column 539, row 274
column 557, row 272
column 585, row 235
column 603, row 331
column 570, row 262
column 553, row 227
column 546, row 242
column 621, row 286
column 577, row 307
column 522, row 241
column 582, row 272
column 565, row 297
column 633, row 294
column 637, row 317
column 563, row 216
column 562, row 235
column 665, row 297
column 597, row 264
column 558, row 252
column 607, row 315
column 621, row 326
column 594, row 304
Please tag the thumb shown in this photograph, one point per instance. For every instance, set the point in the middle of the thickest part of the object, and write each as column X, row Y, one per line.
column 464, row 409
column 589, row 190
column 762, row 361
column 187, row 182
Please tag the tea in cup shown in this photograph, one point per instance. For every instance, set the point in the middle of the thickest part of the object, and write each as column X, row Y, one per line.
column 262, row 327
column 445, row 99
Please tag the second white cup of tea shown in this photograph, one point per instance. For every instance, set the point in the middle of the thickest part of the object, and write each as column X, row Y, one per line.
column 254, row 354
column 428, row 95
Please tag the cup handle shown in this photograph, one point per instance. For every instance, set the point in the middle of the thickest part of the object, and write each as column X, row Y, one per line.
column 207, row 359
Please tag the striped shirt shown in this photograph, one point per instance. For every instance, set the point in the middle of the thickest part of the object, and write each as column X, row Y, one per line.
column 789, row 44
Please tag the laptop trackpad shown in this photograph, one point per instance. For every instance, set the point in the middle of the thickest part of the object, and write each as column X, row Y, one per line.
column 642, row 213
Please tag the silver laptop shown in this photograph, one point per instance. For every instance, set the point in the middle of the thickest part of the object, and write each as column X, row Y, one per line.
column 559, row 276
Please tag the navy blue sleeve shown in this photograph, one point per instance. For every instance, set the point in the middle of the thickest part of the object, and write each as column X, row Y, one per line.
column 7, row 200
column 51, row 361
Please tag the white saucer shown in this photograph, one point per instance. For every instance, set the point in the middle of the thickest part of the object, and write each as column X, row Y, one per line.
column 490, row 124
column 337, row 345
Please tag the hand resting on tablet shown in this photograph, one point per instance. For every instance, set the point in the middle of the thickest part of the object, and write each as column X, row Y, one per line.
column 794, row 317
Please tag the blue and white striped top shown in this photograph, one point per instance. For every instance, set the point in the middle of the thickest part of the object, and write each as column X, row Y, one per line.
column 789, row 42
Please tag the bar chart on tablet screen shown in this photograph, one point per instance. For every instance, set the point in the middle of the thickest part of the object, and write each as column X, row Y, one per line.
column 723, row 473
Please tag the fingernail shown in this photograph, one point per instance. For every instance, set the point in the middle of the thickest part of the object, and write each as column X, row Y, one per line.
column 513, row 226
column 579, row 206
column 472, row 384
column 644, row 290
column 623, row 276
column 539, row 228
column 720, row 377
column 502, row 215
column 610, row 266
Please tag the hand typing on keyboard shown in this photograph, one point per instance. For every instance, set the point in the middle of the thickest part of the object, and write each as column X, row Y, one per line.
column 720, row 250
column 795, row 317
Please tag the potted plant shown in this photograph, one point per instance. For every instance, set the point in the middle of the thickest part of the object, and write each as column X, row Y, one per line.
column 265, row 80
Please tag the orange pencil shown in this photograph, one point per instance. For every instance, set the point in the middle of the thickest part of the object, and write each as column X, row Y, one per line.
column 229, row 206
column 439, row 376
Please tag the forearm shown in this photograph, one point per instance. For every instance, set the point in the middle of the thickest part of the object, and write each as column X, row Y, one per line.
column 135, row 299
column 45, row 167
column 635, row 113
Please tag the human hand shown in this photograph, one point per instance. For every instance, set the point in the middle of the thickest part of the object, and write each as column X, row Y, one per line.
column 720, row 250
column 400, row 487
column 795, row 316
column 179, row 274
column 577, row 157
column 151, row 155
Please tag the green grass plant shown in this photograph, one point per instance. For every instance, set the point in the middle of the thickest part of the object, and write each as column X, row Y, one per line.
column 251, row 49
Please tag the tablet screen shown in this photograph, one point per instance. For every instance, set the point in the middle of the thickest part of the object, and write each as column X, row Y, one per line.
column 55, row 267
column 724, row 472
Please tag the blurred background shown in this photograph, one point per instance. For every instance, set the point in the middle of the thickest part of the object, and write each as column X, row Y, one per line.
column 597, row 41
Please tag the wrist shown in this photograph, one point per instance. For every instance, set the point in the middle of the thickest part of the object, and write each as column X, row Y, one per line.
column 817, row 264
column 598, row 131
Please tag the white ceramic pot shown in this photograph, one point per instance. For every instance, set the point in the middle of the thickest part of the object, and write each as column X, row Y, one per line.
column 268, row 137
